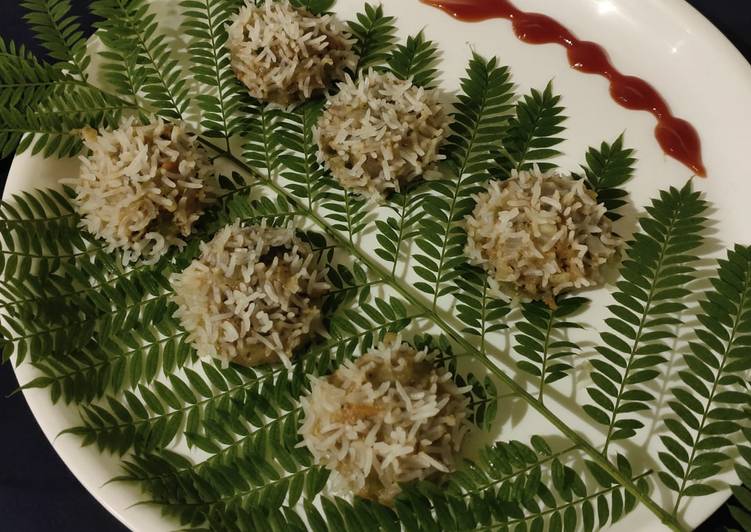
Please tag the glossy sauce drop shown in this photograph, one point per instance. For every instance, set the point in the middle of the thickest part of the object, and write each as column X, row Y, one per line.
column 677, row 137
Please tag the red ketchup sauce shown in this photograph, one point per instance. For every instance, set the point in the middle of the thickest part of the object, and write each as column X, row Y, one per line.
column 678, row 138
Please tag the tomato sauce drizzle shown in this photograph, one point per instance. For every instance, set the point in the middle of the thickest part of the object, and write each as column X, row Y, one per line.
column 677, row 137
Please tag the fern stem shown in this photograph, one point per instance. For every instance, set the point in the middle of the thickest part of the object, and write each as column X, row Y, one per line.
column 429, row 311
column 545, row 354
column 483, row 325
column 715, row 385
column 400, row 236
column 642, row 322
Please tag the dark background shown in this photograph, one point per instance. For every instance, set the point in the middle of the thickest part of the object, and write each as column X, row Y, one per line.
column 37, row 492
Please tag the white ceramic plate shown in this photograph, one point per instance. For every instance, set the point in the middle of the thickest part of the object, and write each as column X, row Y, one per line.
column 702, row 76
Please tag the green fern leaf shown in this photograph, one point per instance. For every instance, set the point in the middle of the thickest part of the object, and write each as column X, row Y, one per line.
column 707, row 406
column 478, row 307
column 531, row 136
column 60, row 33
column 263, row 148
column 395, row 231
column 206, row 23
column 374, row 36
column 606, row 171
column 305, row 175
column 507, row 488
column 129, row 30
column 655, row 274
column 479, row 121
column 415, row 61
column 541, row 342
column 24, row 80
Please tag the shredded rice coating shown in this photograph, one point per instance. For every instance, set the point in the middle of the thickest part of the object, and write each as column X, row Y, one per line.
column 542, row 233
column 250, row 297
column 388, row 417
column 142, row 187
column 284, row 55
column 380, row 132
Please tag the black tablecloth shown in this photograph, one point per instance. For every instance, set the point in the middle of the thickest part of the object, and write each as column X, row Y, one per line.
column 37, row 492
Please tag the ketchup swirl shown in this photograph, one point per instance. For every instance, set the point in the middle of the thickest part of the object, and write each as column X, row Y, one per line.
column 677, row 137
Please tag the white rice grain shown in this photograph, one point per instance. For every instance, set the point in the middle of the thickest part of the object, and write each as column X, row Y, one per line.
column 380, row 132
column 142, row 187
column 285, row 55
column 250, row 297
column 540, row 233
column 387, row 418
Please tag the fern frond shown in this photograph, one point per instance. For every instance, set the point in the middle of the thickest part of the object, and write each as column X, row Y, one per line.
column 153, row 421
column 655, row 274
column 24, row 79
column 60, row 33
column 708, row 404
column 374, row 36
column 42, row 133
column 50, row 128
column 347, row 211
column 542, row 343
column 416, row 61
column 402, row 227
column 306, row 178
column 206, row 23
column 263, row 148
column 122, row 361
column 130, row 31
column 119, row 67
column 507, row 489
column 347, row 285
column 481, row 310
column 479, row 121
column 532, row 133
column 251, row 482
column 606, row 171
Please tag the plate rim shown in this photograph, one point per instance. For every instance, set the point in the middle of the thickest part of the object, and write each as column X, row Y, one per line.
column 37, row 403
